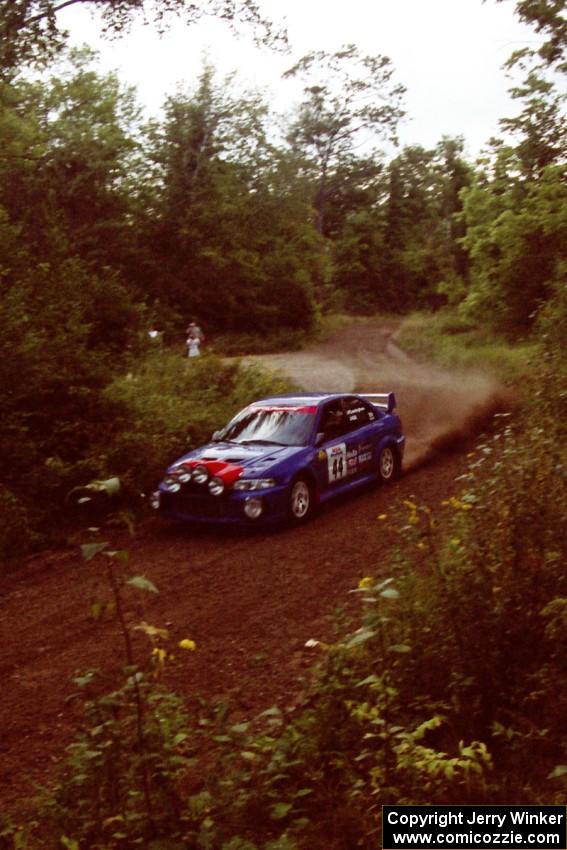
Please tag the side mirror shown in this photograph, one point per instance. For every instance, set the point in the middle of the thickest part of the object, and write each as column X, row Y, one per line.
column 216, row 436
column 320, row 438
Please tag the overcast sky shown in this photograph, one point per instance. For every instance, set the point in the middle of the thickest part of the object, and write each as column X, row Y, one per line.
column 447, row 53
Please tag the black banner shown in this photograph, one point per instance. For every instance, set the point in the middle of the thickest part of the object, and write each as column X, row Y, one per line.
column 479, row 827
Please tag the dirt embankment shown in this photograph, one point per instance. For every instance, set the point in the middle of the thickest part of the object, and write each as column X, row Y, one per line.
column 249, row 601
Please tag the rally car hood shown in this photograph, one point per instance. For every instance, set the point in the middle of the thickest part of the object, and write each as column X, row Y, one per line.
column 252, row 458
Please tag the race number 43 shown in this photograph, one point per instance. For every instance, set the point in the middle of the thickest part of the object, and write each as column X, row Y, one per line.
column 337, row 462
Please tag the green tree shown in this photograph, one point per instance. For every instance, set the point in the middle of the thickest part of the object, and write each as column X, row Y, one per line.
column 548, row 18
column 516, row 240
column 69, row 163
column 349, row 99
column 400, row 244
column 67, row 315
column 456, row 175
column 31, row 31
column 516, row 227
column 219, row 245
column 90, row 122
column 539, row 127
column 416, row 250
column 361, row 271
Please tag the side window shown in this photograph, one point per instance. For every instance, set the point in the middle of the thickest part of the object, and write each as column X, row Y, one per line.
column 358, row 414
column 344, row 415
column 333, row 420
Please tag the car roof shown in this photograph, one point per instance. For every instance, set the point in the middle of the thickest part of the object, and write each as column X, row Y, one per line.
column 303, row 399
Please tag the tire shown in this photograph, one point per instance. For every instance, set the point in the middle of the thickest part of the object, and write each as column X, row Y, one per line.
column 300, row 504
column 388, row 465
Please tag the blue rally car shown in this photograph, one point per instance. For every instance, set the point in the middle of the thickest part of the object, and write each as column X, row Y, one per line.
column 282, row 456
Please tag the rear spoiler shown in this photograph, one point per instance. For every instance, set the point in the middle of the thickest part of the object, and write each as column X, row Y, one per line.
column 387, row 401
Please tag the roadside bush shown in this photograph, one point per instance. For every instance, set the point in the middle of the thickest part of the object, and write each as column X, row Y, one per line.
column 552, row 378
column 57, row 352
column 485, row 599
column 127, row 780
column 356, row 740
column 494, row 575
column 115, row 792
column 553, row 315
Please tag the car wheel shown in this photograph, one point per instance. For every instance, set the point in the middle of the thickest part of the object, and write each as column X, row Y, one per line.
column 300, row 500
column 388, row 464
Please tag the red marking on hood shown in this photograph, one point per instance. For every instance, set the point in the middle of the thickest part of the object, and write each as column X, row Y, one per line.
column 227, row 472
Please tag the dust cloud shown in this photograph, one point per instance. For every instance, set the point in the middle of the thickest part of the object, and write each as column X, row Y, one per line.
column 439, row 409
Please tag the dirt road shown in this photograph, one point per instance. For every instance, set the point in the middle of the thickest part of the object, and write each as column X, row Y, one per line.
column 250, row 601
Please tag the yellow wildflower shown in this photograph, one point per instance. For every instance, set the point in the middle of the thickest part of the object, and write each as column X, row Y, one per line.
column 365, row 582
column 159, row 657
column 187, row 643
column 382, row 516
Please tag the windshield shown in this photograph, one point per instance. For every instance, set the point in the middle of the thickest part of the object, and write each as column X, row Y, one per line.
column 283, row 426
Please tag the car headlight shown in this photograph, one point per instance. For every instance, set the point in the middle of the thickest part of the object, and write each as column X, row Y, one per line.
column 254, row 484
column 216, row 487
column 200, row 474
column 184, row 476
column 155, row 500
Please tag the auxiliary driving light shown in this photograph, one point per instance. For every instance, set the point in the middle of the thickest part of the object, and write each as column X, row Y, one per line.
column 200, row 474
column 216, row 487
column 171, row 484
column 253, row 508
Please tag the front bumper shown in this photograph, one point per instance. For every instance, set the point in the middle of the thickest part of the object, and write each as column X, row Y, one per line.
column 196, row 505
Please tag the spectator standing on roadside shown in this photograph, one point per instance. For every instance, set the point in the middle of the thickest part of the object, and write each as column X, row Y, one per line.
column 193, row 346
column 195, row 337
